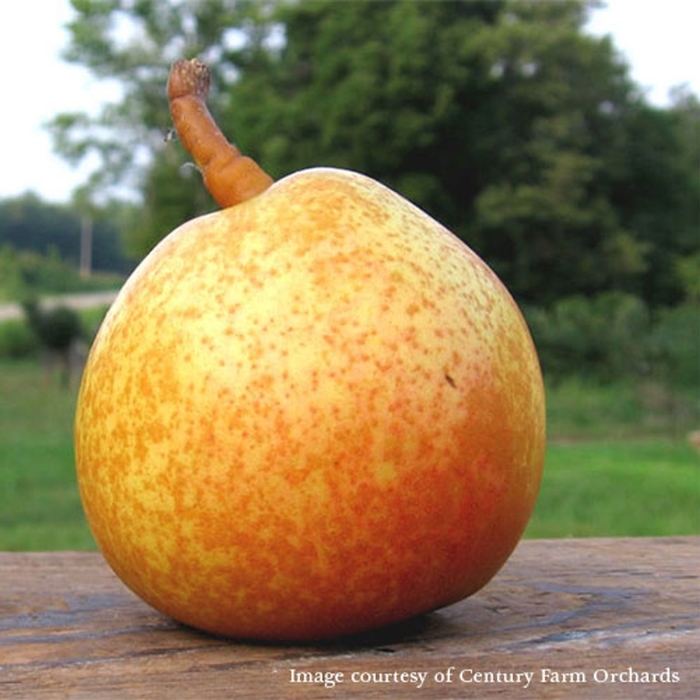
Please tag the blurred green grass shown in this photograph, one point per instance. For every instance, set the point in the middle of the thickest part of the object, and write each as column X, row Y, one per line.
column 39, row 502
column 617, row 465
column 618, row 489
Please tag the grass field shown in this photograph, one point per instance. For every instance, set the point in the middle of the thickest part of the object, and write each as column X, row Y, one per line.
column 39, row 503
column 617, row 465
column 612, row 489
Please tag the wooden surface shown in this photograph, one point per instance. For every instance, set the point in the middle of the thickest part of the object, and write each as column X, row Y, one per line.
column 572, row 613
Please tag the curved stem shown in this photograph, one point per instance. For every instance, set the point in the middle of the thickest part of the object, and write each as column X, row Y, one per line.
column 230, row 177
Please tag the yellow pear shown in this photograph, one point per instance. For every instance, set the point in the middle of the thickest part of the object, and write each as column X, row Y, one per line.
column 310, row 414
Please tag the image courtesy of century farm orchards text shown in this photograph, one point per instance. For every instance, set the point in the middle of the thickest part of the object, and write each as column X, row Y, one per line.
column 312, row 413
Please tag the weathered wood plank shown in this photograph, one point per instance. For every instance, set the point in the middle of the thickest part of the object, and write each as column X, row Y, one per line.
column 561, row 618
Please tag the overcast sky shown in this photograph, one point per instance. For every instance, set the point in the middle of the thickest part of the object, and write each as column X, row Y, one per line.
column 658, row 38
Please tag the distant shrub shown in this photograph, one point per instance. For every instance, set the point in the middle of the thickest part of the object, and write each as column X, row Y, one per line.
column 675, row 345
column 600, row 337
column 17, row 340
column 614, row 336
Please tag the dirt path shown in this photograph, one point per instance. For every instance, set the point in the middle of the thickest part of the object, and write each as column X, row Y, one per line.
column 85, row 300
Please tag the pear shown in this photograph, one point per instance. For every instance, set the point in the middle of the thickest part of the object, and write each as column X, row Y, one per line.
column 310, row 414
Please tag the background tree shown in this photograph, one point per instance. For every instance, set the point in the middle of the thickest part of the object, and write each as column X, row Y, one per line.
column 503, row 119
column 134, row 44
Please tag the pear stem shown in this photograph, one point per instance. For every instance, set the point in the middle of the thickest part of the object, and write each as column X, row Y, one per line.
column 230, row 177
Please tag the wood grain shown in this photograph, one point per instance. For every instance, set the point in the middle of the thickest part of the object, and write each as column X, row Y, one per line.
column 569, row 612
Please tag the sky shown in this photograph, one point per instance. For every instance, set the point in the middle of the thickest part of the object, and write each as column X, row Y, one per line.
column 658, row 39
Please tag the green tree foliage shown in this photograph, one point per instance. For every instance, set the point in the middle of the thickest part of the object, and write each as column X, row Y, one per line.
column 501, row 118
column 599, row 337
column 134, row 44
column 675, row 346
